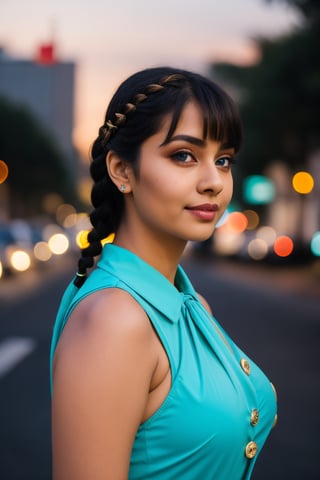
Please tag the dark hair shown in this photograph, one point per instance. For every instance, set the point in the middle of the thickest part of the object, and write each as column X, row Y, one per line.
column 134, row 114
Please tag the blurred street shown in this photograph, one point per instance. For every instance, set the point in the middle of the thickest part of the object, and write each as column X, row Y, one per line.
column 260, row 272
column 272, row 313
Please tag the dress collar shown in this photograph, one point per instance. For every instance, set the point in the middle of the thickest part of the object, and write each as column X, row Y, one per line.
column 148, row 282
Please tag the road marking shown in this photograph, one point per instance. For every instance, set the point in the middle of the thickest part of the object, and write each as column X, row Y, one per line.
column 12, row 351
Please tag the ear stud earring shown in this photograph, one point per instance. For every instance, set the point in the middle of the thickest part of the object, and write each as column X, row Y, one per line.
column 122, row 188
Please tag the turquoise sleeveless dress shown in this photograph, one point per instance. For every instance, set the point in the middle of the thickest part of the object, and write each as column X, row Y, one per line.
column 221, row 407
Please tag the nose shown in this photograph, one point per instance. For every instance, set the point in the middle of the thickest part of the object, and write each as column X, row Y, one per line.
column 211, row 179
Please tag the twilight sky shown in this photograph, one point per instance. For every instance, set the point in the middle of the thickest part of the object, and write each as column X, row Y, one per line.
column 111, row 39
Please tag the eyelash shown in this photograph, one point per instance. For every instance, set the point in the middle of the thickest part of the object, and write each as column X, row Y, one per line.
column 175, row 156
column 231, row 161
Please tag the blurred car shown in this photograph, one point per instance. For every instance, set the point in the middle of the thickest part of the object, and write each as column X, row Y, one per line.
column 15, row 248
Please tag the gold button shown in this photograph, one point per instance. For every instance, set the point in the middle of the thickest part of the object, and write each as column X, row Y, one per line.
column 245, row 365
column 275, row 421
column 254, row 418
column 251, row 449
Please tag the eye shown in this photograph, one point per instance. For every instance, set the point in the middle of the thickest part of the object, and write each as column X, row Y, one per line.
column 224, row 162
column 183, row 157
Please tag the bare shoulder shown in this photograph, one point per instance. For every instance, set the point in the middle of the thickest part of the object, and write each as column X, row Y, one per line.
column 108, row 312
column 107, row 304
column 105, row 355
column 108, row 325
column 204, row 303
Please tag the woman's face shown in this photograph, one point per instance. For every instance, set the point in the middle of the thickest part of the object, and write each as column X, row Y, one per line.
column 183, row 186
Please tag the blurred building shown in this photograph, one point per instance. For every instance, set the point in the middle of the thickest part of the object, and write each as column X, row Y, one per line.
column 46, row 86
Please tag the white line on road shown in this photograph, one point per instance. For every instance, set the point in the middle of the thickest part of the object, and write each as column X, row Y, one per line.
column 12, row 351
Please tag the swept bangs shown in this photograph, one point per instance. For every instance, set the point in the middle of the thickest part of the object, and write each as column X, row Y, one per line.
column 221, row 120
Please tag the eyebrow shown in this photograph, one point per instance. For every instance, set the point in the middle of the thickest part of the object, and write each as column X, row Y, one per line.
column 187, row 138
column 200, row 142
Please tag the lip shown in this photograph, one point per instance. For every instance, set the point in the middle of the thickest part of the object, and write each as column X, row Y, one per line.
column 206, row 211
column 205, row 207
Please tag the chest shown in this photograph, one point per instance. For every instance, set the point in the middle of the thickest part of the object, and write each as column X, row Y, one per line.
column 218, row 397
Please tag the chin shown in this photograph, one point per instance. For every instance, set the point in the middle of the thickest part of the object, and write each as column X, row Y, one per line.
column 201, row 237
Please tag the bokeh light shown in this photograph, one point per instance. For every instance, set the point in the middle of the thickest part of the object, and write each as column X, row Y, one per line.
column 70, row 221
column 82, row 239
column 267, row 234
column 283, row 246
column 303, row 182
column 20, row 260
column 227, row 242
column 315, row 244
column 58, row 243
column 42, row 251
column 253, row 219
column 258, row 190
column 108, row 239
column 237, row 222
column 51, row 202
column 4, row 171
column 63, row 211
column 50, row 230
column 257, row 249
column 1, row 270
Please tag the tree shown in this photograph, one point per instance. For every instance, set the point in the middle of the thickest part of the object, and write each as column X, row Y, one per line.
column 309, row 8
column 36, row 166
column 279, row 97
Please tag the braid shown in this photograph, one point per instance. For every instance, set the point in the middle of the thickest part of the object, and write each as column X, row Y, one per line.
column 105, row 196
column 110, row 127
column 107, row 202
column 134, row 114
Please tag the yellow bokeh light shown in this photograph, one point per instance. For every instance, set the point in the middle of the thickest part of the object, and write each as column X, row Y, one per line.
column 1, row 270
column 58, row 243
column 108, row 239
column 82, row 239
column 50, row 230
column 20, row 260
column 303, row 182
column 4, row 171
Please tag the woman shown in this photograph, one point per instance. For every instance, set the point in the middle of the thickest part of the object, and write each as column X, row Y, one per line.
column 146, row 384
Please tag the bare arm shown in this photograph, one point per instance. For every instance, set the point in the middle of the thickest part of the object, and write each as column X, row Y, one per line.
column 102, row 373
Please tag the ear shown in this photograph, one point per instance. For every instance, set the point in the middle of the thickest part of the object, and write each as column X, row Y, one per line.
column 118, row 172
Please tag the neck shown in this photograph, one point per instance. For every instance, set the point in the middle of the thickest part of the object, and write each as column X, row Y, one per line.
column 159, row 251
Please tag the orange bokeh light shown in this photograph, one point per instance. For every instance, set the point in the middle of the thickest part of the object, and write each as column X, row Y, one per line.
column 237, row 222
column 303, row 182
column 4, row 171
column 283, row 246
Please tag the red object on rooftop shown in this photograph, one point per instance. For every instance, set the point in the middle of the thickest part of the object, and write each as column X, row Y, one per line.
column 46, row 54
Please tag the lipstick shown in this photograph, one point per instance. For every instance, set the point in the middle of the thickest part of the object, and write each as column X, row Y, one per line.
column 206, row 211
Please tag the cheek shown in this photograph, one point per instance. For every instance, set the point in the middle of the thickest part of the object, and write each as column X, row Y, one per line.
column 229, row 188
column 159, row 186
